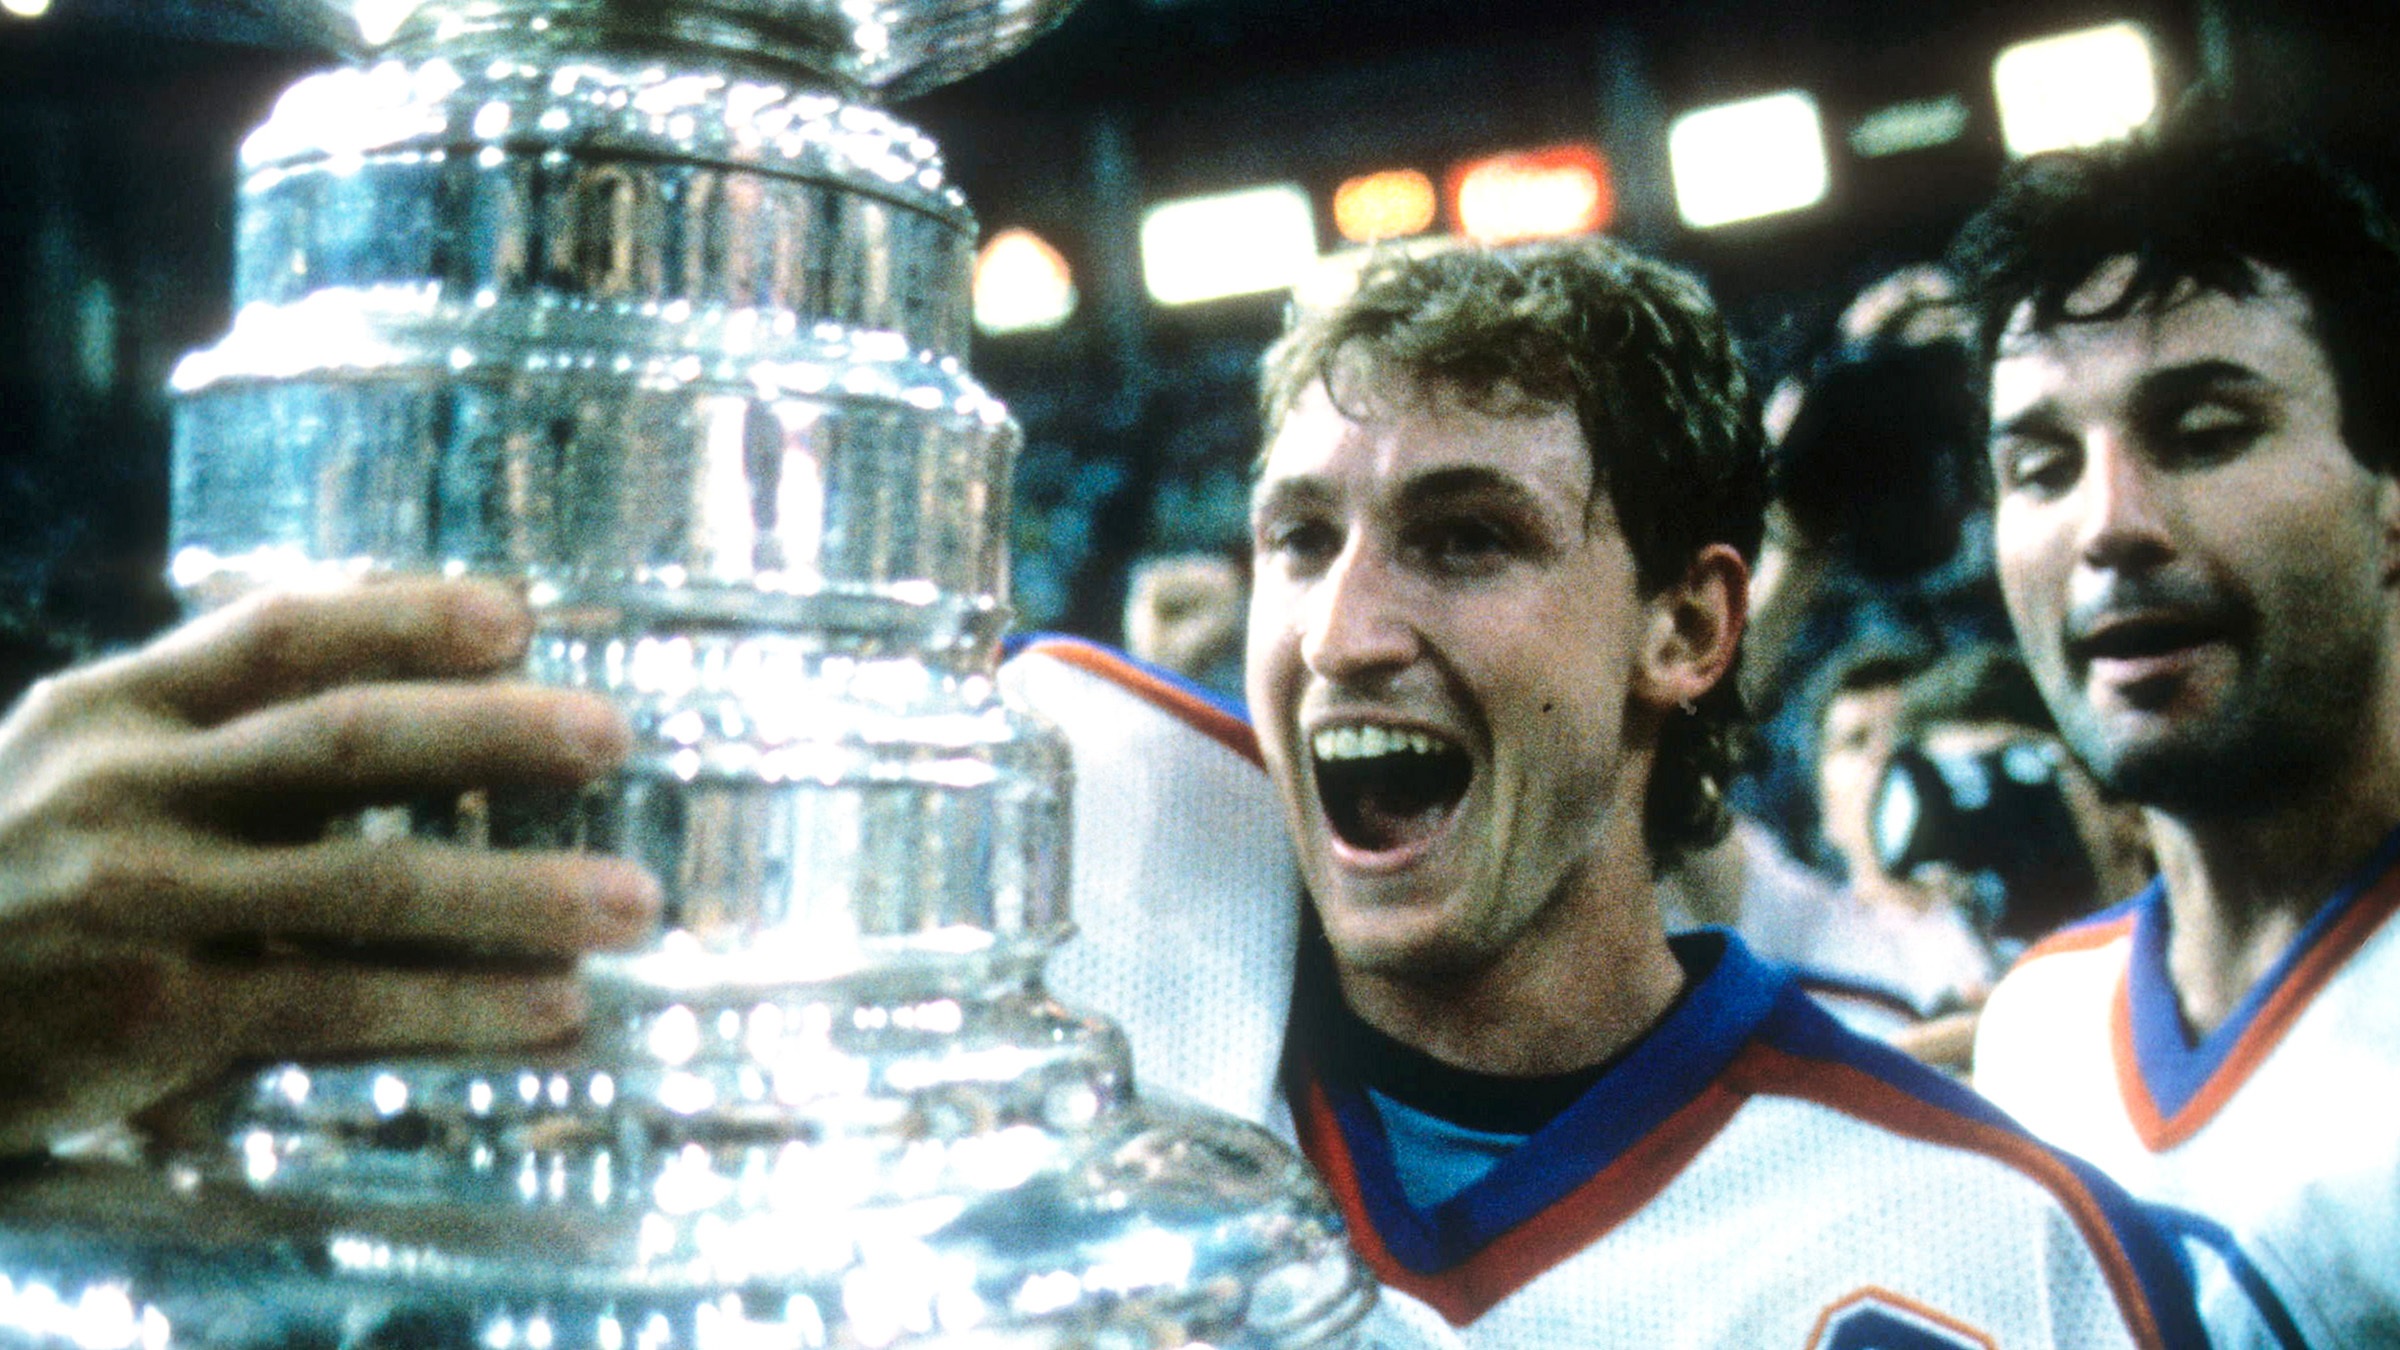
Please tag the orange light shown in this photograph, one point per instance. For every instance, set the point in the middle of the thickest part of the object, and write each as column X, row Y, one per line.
column 1022, row 284
column 1533, row 194
column 1393, row 204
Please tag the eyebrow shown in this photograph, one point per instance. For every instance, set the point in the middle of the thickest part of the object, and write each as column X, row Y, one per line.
column 1465, row 481
column 1434, row 488
column 2180, row 384
column 1284, row 494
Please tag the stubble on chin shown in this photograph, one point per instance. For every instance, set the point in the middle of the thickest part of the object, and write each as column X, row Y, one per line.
column 2271, row 739
column 1419, row 944
column 1402, row 947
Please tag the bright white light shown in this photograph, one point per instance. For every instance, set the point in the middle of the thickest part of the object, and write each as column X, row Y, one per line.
column 259, row 1159
column 686, row 1094
column 2074, row 89
column 1903, row 127
column 26, row 9
column 391, row 1095
column 378, row 20
column 1144, row 1260
column 675, row 1036
column 105, row 1319
column 1234, row 243
column 1737, row 161
column 1022, row 284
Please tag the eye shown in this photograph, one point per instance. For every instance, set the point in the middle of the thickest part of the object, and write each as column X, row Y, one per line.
column 2213, row 431
column 2038, row 465
column 1462, row 544
column 1299, row 543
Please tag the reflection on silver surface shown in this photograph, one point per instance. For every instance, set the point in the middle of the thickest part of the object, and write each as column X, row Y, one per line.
column 636, row 304
column 894, row 47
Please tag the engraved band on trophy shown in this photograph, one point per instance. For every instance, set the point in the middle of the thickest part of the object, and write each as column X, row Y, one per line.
column 644, row 304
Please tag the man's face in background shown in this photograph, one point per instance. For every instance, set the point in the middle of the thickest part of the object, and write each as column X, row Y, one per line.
column 2198, row 568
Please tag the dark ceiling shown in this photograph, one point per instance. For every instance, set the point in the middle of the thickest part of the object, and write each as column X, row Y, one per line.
column 116, row 192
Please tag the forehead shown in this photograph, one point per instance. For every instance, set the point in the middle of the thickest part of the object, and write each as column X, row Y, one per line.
column 1866, row 703
column 1387, row 431
column 2269, row 334
column 1959, row 739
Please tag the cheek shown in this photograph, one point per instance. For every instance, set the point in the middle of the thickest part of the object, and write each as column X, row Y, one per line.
column 1837, row 777
column 2029, row 558
column 1265, row 651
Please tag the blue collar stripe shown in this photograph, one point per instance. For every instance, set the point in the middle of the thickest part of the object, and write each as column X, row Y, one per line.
column 2172, row 1067
column 1665, row 1072
column 1804, row 1030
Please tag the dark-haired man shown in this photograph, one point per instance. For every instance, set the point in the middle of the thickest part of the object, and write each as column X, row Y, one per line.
column 2198, row 527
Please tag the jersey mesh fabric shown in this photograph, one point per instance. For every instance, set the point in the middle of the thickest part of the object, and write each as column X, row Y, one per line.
column 2285, row 1141
column 1186, row 896
column 1796, row 1211
column 1753, row 1175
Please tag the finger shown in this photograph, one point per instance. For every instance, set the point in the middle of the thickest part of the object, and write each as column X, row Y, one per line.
column 285, row 644
column 306, row 1009
column 381, row 742
column 90, row 1036
column 407, row 892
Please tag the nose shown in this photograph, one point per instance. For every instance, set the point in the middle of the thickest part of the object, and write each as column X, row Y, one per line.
column 1357, row 624
column 2126, row 515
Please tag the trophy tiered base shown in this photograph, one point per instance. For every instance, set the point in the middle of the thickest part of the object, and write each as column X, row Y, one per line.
column 643, row 306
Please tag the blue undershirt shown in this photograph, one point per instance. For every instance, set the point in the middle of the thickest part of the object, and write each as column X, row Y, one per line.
column 1448, row 1127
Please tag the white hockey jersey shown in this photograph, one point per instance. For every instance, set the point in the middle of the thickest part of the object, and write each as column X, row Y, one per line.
column 2278, row 1133
column 1750, row 1175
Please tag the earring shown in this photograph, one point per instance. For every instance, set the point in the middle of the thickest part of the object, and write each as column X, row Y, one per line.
column 1690, row 709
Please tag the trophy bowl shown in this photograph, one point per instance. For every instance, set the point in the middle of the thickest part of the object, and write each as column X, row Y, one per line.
column 639, row 305
column 888, row 48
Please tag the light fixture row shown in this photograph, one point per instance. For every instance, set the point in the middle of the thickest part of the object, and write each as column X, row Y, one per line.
column 1730, row 162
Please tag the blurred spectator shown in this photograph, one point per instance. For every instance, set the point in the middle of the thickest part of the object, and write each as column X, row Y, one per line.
column 1879, row 950
column 1886, row 930
column 1905, row 944
column 2002, row 828
column 1857, row 725
column 1978, row 705
column 1877, row 532
column 1877, row 461
column 1185, row 612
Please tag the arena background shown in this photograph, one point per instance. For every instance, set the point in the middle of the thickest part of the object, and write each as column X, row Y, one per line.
column 122, row 118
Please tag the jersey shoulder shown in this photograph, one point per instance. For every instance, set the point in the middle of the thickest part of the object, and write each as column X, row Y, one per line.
column 1059, row 675
column 1178, row 846
column 2098, row 931
column 1905, row 1137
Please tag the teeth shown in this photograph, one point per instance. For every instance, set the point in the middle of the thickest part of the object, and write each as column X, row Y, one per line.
column 1370, row 742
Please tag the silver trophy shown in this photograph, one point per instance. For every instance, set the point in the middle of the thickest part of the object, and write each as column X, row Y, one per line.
column 645, row 304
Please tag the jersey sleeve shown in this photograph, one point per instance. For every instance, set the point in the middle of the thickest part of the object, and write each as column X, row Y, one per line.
column 1186, row 896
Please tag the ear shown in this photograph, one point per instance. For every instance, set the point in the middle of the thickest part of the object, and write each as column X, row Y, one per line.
column 1695, row 629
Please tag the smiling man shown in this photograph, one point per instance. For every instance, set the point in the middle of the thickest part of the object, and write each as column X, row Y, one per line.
column 1501, row 528
column 2198, row 531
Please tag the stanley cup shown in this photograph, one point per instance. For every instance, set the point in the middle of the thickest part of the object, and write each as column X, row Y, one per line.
column 645, row 305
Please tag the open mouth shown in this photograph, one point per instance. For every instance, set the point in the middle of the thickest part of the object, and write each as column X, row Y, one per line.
column 1384, row 789
column 2147, row 636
